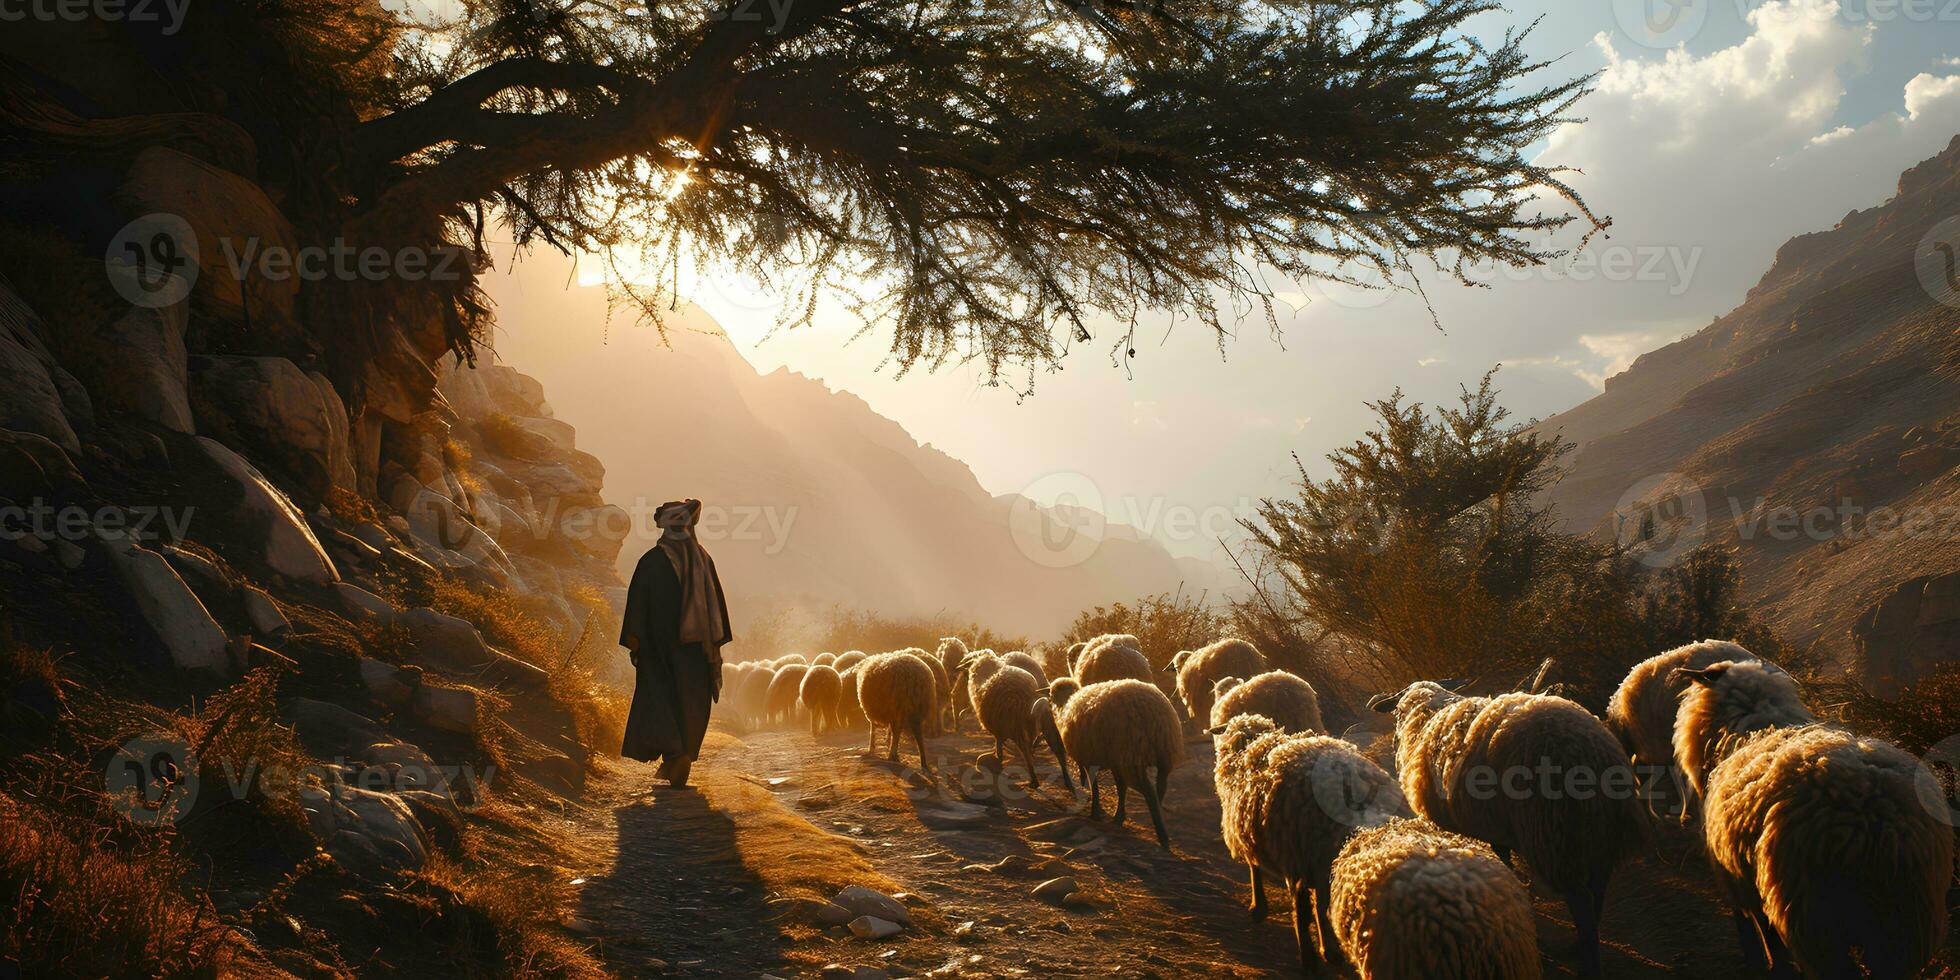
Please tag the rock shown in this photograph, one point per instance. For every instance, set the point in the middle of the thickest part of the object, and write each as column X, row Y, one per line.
column 269, row 625
column 551, row 431
column 448, row 708
column 554, row 771
column 137, row 364
column 172, row 611
column 33, row 468
column 327, row 730
column 29, row 398
column 862, row 901
column 362, row 605
column 953, row 815
column 965, row 930
column 445, row 639
column 558, row 480
column 268, row 407
column 833, row 914
column 373, row 834
column 1055, row 889
column 196, row 569
column 234, row 221
column 285, row 541
column 873, row 927
column 388, row 684
column 597, row 532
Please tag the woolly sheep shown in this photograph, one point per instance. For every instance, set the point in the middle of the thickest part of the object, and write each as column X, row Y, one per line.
column 1285, row 698
column 825, row 659
column 780, row 707
column 849, row 713
column 1027, row 662
column 751, row 694
column 848, row 659
column 899, row 692
column 1415, row 902
column 1113, row 662
column 963, row 683
column 1197, row 673
column 818, row 692
column 950, row 653
column 1286, row 805
column 1641, row 713
column 794, row 658
column 1827, row 844
column 1460, row 758
column 1061, row 689
column 1005, row 704
column 1129, row 728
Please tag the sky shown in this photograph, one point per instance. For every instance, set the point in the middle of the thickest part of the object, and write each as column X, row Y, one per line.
column 1710, row 142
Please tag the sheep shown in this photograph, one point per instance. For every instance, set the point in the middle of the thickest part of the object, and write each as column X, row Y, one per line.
column 848, row 659
column 1461, row 759
column 750, row 695
column 1828, row 845
column 1641, row 713
column 780, row 704
column 818, row 692
column 1005, row 704
column 1074, row 653
column 899, row 692
column 1113, row 662
column 825, row 659
column 1414, row 902
column 1027, row 662
column 1061, row 689
column 1197, row 672
column 849, row 713
column 1285, row 698
column 950, row 653
column 793, row 658
column 962, row 697
column 1129, row 728
column 1286, row 805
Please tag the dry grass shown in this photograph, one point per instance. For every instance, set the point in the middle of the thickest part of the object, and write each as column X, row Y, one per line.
column 87, row 904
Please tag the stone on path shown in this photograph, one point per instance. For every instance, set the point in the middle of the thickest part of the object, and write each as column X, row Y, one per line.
column 873, row 927
column 1055, row 889
column 862, row 901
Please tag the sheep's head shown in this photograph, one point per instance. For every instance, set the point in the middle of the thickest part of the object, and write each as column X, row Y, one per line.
column 1233, row 737
column 1062, row 689
column 1223, row 686
column 1177, row 662
column 1420, row 698
column 1728, row 700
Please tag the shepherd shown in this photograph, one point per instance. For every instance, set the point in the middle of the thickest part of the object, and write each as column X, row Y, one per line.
column 676, row 624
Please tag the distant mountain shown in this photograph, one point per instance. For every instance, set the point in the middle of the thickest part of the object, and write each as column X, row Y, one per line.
column 1802, row 424
column 821, row 500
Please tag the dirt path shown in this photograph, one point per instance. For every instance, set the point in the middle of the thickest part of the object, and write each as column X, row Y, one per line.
column 723, row 880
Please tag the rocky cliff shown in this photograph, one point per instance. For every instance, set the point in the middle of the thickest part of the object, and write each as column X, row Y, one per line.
column 1816, row 427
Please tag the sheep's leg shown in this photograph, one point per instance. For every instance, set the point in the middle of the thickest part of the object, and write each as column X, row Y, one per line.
column 1258, row 908
column 1034, row 774
column 1585, row 922
column 1122, row 794
column 1156, row 808
column 1061, row 760
column 873, row 750
column 1781, row 966
column 1095, row 793
column 1323, row 902
column 892, row 730
column 1310, row 960
column 1163, row 783
column 919, row 739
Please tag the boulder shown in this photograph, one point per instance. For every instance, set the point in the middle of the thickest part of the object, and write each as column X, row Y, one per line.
column 873, row 927
column 372, row 834
column 551, row 431
column 361, row 605
column 285, row 542
column 448, row 708
column 597, row 532
column 514, row 392
column 234, row 222
column 328, row 730
column 33, row 467
column 169, row 607
column 29, row 399
column 862, row 901
column 270, row 408
column 137, row 364
column 463, row 390
column 269, row 625
column 388, row 684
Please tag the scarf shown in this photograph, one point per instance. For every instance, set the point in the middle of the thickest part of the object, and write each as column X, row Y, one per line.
column 702, row 620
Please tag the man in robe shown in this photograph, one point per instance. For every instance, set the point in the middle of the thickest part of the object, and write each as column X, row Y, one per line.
column 676, row 624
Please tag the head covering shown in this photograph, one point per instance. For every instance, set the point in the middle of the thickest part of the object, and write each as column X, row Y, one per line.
column 703, row 619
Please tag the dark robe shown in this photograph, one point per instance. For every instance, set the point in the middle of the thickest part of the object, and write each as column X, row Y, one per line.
column 675, row 682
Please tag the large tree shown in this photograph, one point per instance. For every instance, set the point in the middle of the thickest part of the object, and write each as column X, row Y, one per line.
column 980, row 178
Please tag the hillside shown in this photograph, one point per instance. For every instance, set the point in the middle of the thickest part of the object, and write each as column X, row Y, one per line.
column 824, row 500
column 1815, row 427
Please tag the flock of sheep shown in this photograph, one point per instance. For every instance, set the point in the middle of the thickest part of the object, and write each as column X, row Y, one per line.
column 1827, row 846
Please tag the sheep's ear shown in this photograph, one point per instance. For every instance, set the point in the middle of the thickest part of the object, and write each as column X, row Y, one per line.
column 1706, row 676
column 1385, row 703
column 1215, row 730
